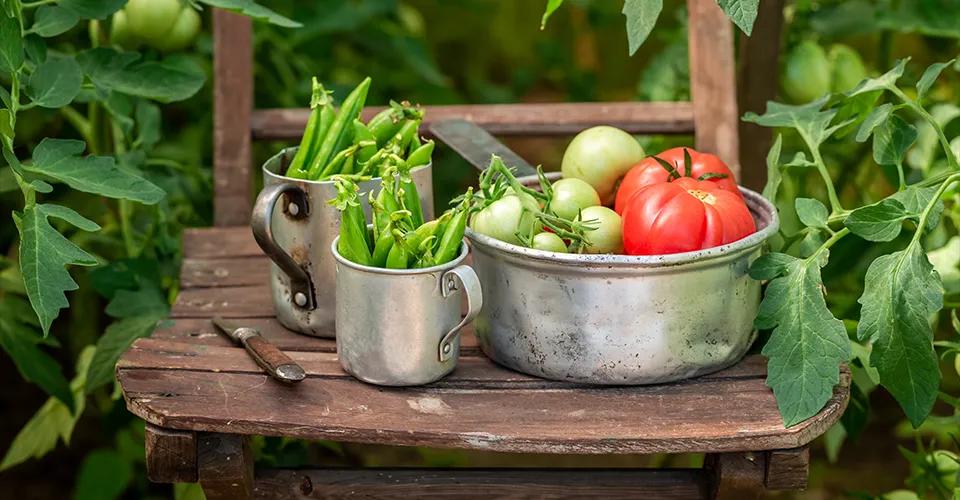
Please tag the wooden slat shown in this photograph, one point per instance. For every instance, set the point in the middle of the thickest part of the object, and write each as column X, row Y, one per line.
column 201, row 332
column 232, row 105
column 515, row 119
column 712, row 82
column 216, row 242
column 163, row 354
column 489, row 483
column 224, row 271
column 480, row 406
column 251, row 301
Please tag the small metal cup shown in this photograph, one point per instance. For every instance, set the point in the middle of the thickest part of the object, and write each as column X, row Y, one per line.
column 296, row 239
column 400, row 327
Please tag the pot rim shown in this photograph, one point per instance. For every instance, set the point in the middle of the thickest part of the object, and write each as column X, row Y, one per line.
column 464, row 251
column 763, row 211
column 276, row 159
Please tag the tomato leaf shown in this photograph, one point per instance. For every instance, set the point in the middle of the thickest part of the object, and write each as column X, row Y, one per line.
column 743, row 13
column 11, row 45
column 901, row 292
column 892, row 139
column 19, row 339
column 92, row 9
column 52, row 20
column 876, row 117
column 552, row 6
column 915, row 199
column 878, row 222
column 885, row 81
column 104, row 475
column 253, row 10
column 641, row 17
column 165, row 81
column 774, row 176
column 812, row 123
column 930, row 75
column 807, row 343
column 61, row 160
column 44, row 255
column 52, row 421
column 812, row 212
column 116, row 339
column 55, row 82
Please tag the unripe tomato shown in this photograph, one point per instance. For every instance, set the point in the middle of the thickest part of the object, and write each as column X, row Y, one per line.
column 956, row 363
column 165, row 25
column 570, row 196
column 502, row 220
column 120, row 33
column 806, row 73
column 650, row 171
column 846, row 68
column 601, row 156
column 608, row 235
column 182, row 33
column 683, row 216
column 549, row 242
column 900, row 495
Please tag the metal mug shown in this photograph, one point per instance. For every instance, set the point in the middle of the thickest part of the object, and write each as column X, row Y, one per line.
column 297, row 240
column 400, row 327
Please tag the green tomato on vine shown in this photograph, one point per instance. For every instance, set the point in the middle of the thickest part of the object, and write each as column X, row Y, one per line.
column 166, row 25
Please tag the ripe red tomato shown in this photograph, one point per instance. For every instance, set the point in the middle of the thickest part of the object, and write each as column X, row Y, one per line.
column 683, row 216
column 650, row 171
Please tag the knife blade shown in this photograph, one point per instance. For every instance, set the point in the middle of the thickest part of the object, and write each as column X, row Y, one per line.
column 277, row 364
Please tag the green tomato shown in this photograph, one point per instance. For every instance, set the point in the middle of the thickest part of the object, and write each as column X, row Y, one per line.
column 846, row 68
column 572, row 195
column 502, row 220
column 601, row 156
column 162, row 24
column 956, row 363
column 182, row 33
column 549, row 242
column 947, row 466
column 900, row 495
column 608, row 236
column 120, row 33
column 806, row 73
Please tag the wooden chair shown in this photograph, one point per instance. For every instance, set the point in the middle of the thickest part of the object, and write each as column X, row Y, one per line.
column 202, row 397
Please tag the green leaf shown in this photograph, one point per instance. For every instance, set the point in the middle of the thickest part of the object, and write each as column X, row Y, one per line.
column 812, row 123
column 878, row 222
column 915, row 199
column 552, row 6
column 742, row 12
column 877, row 116
column 901, row 292
column 56, row 82
column 103, row 475
column 148, row 124
column 930, row 75
column 59, row 159
column 891, row 141
column 812, row 212
column 253, row 10
column 800, row 160
column 885, row 81
column 52, row 20
column 946, row 261
column 35, row 47
column 147, row 301
column 771, row 265
column 774, row 177
column 641, row 17
column 115, row 340
column 807, row 343
column 52, row 421
column 921, row 157
column 44, row 255
column 11, row 45
column 163, row 81
column 69, row 215
column 92, row 9
column 6, row 125
column 20, row 341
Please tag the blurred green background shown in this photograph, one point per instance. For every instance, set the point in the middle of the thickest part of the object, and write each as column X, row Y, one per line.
column 469, row 51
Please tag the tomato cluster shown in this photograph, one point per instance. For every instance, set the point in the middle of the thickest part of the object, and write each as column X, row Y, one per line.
column 166, row 25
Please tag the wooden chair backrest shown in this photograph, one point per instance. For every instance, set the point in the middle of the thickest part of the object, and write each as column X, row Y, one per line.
column 711, row 115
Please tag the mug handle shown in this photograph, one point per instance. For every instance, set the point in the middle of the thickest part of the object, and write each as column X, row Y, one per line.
column 464, row 278
column 301, row 289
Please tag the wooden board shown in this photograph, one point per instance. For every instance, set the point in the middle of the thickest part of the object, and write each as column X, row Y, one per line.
column 515, row 119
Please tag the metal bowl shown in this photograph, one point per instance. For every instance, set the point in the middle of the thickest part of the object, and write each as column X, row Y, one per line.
column 620, row 319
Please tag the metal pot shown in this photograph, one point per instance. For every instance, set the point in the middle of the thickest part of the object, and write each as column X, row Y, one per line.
column 401, row 327
column 619, row 319
column 297, row 239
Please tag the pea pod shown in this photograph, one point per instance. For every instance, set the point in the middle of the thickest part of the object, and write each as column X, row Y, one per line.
column 414, row 143
column 365, row 141
column 409, row 245
column 353, row 244
column 406, row 133
column 335, row 165
column 340, row 128
column 422, row 155
column 387, row 123
column 452, row 237
column 321, row 115
column 411, row 199
column 398, row 257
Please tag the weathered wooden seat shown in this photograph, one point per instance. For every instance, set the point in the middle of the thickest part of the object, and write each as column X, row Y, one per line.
column 202, row 397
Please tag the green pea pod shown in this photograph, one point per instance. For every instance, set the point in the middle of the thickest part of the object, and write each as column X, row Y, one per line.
column 387, row 200
column 381, row 249
column 365, row 141
column 422, row 155
column 405, row 134
column 398, row 257
column 349, row 164
column 340, row 129
column 414, row 142
column 452, row 238
column 334, row 167
column 411, row 200
column 321, row 115
column 353, row 243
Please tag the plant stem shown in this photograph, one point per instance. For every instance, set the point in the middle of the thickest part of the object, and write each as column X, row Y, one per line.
column 922, row 223
column 837, row 236
column 900, row 175
column 918, row 109
column 835, row 206
column 38, row 3
column 79, row 122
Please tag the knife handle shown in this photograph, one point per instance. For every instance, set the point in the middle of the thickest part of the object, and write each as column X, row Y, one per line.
column 271, row 359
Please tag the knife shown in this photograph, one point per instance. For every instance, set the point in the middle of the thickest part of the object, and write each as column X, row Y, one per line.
column 277, row 364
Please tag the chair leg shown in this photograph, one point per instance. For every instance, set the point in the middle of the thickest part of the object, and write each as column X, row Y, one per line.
column 225, row 466
column 737, row 476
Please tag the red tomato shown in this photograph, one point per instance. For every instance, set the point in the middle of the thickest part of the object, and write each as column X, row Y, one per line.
column 683, row 216
column 650, row 171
